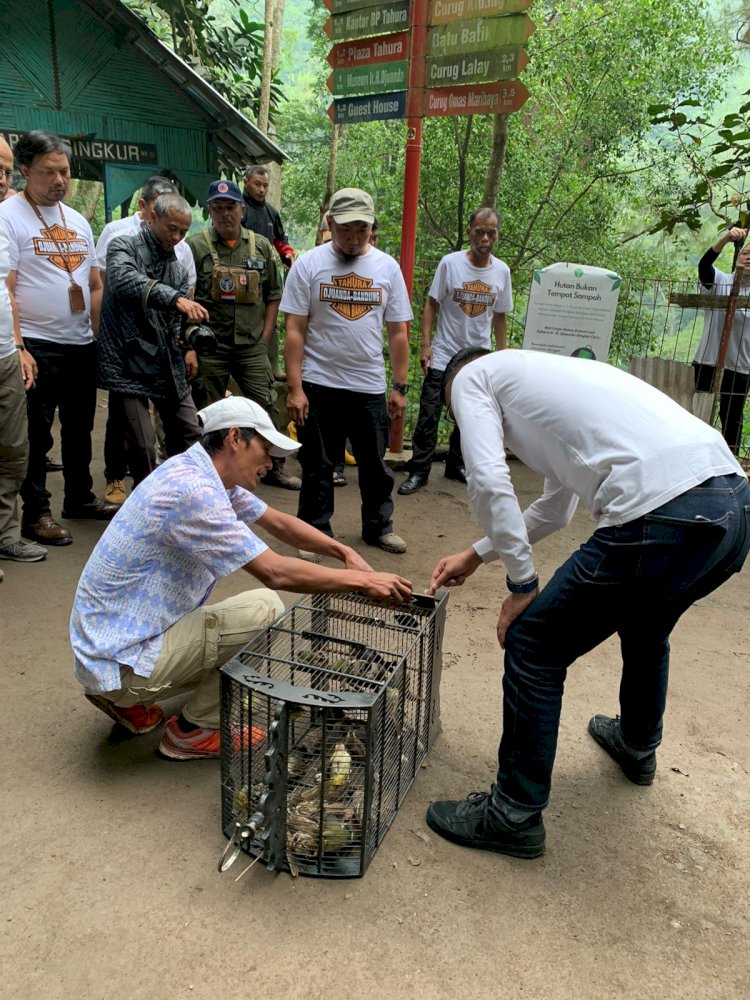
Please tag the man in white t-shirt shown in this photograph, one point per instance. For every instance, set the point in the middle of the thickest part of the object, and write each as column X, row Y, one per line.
column 735, row 380
column 336, row 299
column 470, row 295
column 55, row 284
column 672, row 512
column 115, row 455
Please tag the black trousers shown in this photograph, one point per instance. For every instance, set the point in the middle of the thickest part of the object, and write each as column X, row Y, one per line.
column 424, row 438
column 115, row 448
column 131, row 413
column 67, row 383
column 732, row 396
column 334, row 415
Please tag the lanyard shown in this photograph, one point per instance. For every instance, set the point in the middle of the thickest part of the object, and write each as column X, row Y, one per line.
column 65, row 257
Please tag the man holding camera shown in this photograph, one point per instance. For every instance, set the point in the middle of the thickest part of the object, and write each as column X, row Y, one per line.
column 142, row 351
column 238, row 282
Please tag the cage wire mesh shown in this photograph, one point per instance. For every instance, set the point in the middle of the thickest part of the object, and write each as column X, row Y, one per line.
column 326, row 718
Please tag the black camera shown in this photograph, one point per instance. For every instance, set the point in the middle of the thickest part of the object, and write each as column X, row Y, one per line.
column 201, row 338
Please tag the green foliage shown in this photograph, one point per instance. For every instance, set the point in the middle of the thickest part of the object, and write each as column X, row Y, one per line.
column 716, row 158
column 227, row 51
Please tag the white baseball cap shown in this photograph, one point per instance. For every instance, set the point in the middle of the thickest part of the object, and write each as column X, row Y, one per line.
column 237, row 411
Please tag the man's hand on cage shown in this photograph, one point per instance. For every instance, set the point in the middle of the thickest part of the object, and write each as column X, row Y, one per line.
column 388, row 588
column 452, row 571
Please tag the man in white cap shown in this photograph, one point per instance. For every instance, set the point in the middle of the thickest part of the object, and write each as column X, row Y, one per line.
column 140, row 627
column 337, row 298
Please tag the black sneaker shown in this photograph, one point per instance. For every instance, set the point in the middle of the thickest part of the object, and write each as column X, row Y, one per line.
column 469, row 823
column 607, row 733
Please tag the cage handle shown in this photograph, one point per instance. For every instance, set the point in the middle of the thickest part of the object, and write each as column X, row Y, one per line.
column 240, row 834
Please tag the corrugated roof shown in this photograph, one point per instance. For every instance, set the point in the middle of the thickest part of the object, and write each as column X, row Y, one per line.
column 239, row 141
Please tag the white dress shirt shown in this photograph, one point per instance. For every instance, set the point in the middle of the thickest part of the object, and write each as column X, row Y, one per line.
column 594, row 432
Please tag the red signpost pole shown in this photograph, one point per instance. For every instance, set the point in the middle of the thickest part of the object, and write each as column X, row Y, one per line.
column 418, row 51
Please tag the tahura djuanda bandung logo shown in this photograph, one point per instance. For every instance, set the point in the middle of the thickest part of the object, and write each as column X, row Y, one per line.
column 56, row 239
column 475, row 297
column 351, row 296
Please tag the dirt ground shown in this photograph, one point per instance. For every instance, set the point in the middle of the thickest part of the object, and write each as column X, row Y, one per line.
column 111, row 889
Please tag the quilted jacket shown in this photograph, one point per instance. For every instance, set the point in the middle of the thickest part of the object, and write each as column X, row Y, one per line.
column 136, row 348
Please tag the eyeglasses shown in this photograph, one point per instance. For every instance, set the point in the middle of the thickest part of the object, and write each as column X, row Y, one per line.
column 4, row 170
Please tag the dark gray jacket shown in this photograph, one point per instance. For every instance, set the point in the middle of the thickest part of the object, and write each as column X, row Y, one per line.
column 136, row 348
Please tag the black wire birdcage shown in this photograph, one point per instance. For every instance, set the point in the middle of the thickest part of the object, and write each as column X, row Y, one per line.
column 326, row 718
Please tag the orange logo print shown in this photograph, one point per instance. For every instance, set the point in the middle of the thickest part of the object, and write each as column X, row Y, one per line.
column 474, row 297
column 56, row 239
column 351, row 296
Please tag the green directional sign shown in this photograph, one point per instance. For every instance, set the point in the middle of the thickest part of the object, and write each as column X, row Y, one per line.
column 444, row 11
column 386, row 17
column 479, row 35
column 377, row 79
column 477, row 67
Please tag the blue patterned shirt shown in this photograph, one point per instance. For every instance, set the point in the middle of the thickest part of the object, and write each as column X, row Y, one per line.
column 178, row 533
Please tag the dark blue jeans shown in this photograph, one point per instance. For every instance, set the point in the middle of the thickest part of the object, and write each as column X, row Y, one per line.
column 634, row 580
column 336, row 414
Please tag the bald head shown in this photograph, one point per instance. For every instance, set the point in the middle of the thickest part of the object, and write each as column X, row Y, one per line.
column 6, row 167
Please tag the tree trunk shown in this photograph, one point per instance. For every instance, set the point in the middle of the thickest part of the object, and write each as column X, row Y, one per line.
column 331, row 175
column 277, row 26
column 496, row 162
column 91, row 194
column 265, row 80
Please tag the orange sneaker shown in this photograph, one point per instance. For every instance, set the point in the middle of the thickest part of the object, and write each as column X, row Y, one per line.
column 200, row 743
column 139, row 719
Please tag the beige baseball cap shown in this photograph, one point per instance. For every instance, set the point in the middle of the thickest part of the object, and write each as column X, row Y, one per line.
column 237, row 411
column 352, row 205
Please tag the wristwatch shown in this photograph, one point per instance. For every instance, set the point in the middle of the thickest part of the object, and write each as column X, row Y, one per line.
column 522, row 588
column 20, row 347
column 402, row 387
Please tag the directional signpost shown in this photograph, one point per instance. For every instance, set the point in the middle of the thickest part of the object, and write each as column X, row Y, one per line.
column 445, row 11
column 480, row 99
column 376, row 79
column 483, row 33
column 346, row 111
column 386, row 48
column 393, row 15
column 503, row 63
column 419, row 59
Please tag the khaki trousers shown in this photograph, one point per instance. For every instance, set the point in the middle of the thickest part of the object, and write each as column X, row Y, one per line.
column 14, row 446
column 193, row 650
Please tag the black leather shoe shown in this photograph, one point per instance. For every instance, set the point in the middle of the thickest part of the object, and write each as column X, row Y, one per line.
column 97, row 510
column 412, row 483
column 51, row 465
column 458, row 473
column 470, row 824
column 607, row 733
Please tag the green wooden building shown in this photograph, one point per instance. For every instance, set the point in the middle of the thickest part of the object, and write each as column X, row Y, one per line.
column 90, row 70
